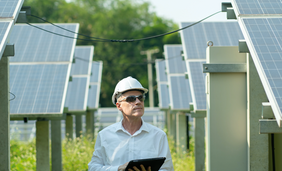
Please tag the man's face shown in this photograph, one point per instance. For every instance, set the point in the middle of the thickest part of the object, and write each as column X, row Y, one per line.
column 131, row 109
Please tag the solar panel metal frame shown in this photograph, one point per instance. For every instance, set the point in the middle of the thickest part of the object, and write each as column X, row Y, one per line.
column 5, row 36
column 163, row 92
column 97, row 83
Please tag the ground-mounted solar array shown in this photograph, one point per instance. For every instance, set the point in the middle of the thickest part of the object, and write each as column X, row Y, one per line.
column 46, row 47
column 195, row 39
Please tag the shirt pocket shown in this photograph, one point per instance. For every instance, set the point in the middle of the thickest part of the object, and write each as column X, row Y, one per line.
column 148, row 154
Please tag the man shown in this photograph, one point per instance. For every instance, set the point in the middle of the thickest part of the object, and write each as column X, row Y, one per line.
column 131, row 138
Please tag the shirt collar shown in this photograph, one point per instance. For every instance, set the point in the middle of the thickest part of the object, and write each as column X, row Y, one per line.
column 144, row 127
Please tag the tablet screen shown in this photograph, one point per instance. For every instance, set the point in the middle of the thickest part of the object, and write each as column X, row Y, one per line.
column 155, row 163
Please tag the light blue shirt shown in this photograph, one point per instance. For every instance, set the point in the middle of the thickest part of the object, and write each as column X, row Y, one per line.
column 115, row 146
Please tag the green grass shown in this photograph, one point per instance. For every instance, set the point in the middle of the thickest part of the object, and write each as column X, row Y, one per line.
column 77, row 154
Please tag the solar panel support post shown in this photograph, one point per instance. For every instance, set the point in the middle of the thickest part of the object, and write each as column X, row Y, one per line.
column 9, row 50
column 42, row 145
column 199, row 132
column 78, row 125
column 231, row 14
column 90, row 124
column 56, row 141
column 22, row 17
column 69, row 126
column 181, row 132
column 258, row 143
column 4, row 113
column 226, row 113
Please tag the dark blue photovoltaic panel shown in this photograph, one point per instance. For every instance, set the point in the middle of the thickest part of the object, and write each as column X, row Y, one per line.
column 195, row 38
column 35, row 45
column 10, row 8
column 265, row 36
column 83, row 60
column 180, row 92
column 39, row 89
column 197, row 79
column 173, row 56
column 259, row 6
column 76, row 94
column 4, row 31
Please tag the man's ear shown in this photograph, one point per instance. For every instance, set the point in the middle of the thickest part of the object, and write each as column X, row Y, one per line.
column 118, row 106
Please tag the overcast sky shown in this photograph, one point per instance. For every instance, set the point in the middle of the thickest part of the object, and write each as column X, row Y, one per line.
column 189, row 10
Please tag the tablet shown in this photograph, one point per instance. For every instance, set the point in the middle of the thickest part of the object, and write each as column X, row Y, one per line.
column 155, row 163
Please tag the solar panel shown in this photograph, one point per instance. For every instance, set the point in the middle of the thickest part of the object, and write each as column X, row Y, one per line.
column 173, row 55
column 179, row 88
column 259, row 6
column 163, row 92
column 35, row 45
column 179, row 92
column 95, row 84
column 5, row 28
column 161, row 70
column 263, row 36
column 76, row 98
column 39, row 88
column 197, row 84
column 10, row 8
column 195, row 38
column 83, row 57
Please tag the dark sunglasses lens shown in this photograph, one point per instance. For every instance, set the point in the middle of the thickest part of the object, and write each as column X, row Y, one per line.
column 133, row 98
column 130, row 98
column 141, row 98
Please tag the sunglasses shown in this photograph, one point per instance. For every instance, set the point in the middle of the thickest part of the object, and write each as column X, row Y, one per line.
column 132, row 98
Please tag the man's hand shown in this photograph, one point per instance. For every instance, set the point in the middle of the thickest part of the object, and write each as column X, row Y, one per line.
column 142, row 167
column 122, row 167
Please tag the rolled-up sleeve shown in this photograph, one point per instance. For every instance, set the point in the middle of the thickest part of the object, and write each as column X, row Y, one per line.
column 97, row 162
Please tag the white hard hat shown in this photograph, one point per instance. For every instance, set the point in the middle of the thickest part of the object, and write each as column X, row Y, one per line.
column 127, row 84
